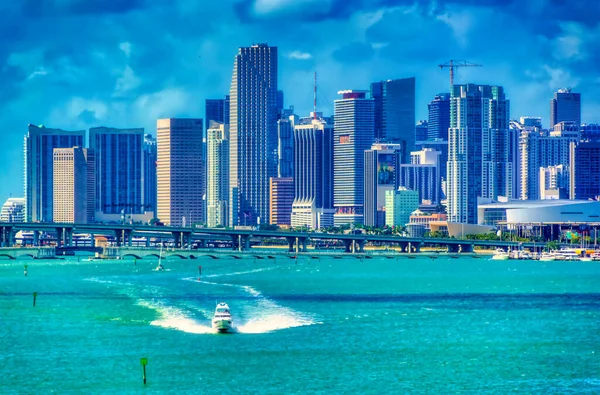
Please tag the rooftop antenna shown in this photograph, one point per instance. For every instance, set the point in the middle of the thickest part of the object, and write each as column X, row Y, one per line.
column 315, row 98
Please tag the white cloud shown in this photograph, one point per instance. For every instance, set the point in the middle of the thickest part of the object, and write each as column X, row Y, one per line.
column 39, row 71
column 127, row 82
column 560, row 78
column 264, row 7
column 300, row 55
column 461, row 24
column 126, row 48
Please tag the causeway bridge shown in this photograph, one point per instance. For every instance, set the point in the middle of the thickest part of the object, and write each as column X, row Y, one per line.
column 239, row 239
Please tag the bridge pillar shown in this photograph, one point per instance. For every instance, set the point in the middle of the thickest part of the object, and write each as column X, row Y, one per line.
column 128, row 237
column 417, row 247
column 147, row 241
column 187, row 239
column 245, row 242
column 201, row 243
column 466, row 248
column 453, row 248
column 360, row 244
column 118, row 237
column 291, row 241
column 236, row 240
column 36, row 238
column 348, row 245
column 403, row 247
column 69, row 236
column 7, row 232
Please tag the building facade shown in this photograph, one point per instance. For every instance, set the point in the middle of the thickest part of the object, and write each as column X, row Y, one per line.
column 13, row 210
column 38, row 147
column 439, row 117
column 74, row 198
column 281, row 195
column 380, row 175
column 587, row 171
column 253, row 133
column 180, row 171
column 399, row 205
column 480, row 154
column 119, row 169
column 423, row 175
column 565, row 107
column 394, row 111
column 285, row 143
column 313, row 174
column 421, row 131
column 353, row 134
column 149, row 173
column 217, row 188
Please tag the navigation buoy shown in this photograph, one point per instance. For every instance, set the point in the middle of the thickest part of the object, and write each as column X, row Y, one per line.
column 25, row 271
column 34, row 298
column 199, row 272
column 144, row 362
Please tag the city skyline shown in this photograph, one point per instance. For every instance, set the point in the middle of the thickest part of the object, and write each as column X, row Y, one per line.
column 123, row 70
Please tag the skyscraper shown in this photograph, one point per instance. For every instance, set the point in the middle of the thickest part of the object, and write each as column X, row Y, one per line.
column 253, row 133
column 565, row 106
column 439, row 117
column 380, row 174
column 38, row 155
column 285, row 143
column 480, row 149
column 423, row 175
column 394, row 107
column 421, row 131
column 150, row 173
column 214, row 111
column 13, row 210
column 179, row 171
column 281, row 195
column 119, row 169
column 217, row 165
column 587, row 170
column 313, row 174
column 353, row 134
column 73, row 196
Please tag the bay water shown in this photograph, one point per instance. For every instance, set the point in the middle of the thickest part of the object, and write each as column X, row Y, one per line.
column 311, row 325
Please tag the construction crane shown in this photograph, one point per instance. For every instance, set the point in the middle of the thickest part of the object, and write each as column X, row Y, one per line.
column 451, row 64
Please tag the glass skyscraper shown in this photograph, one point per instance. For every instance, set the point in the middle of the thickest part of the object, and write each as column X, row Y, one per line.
column 150, row 173
column 353, row 134
column 394, row 113
column 480, row 154
column 217, row 166
column 439, row 117
column 253, row 133
column 565, row 107
column 380, row 175
column 38, row 148
column 119, row 169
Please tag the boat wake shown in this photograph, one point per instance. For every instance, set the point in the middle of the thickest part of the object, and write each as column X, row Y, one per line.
column 174, row 318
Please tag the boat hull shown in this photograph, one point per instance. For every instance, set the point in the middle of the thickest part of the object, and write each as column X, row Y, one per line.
column 222, row 326
column 500, row 257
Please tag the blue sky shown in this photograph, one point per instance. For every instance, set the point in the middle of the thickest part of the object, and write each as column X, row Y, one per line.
column 74, row 64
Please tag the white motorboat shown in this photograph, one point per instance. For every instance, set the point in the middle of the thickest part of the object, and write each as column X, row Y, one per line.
column 500, row 255
column 566, row 254
column 222, row 319
column 547, row 256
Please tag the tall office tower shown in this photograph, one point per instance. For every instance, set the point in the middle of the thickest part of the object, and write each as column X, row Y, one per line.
column 38, row 147
column 253, row 133
column 439, row 116
column 13, row 210
column 119, row 169
column 399, row 205
column 554, row 182
column 395, row 113
column 423, row 175
column 556, row 150
column 313, row 173
column 281, row 196
column 214, row 111
column 149, row 173
column 353, row 134
column 73, row 198
column 565, row 106
column 480, row 155
column 179, row 171
column 217, row 165
column 380, row 174
column 285, row 143
column 590, row 133
column 421, row 131
column 587, row 170
column 442, row 147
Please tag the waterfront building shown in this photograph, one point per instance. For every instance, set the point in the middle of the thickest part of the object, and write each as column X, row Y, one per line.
column 587, row 170
column 313, row 173
column 421, row 131
column 13, row 210
column 439, row 117
column 217, row 190
column 380, row 175
column 353, row 134
column 253, row 133
column 180, row 171
column 149, row 173
column 399, row 205
column 281, row 196
column 119, row 169
column 480, row 157
column 74, row 185
column 420, row 222
column 38, row 147
column 529, row 157
column 565, row 107
column 423, row 175
column 394, row 112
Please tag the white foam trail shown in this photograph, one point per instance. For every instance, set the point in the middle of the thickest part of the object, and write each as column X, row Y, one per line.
column 238, row 273
column 174, row 318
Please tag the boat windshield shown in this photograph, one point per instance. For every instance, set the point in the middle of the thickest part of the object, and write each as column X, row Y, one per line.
column 222, row 310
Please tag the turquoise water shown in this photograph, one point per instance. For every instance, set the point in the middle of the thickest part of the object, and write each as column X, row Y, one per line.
column 304, row 326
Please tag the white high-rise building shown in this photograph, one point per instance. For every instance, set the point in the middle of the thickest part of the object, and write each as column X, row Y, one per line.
column 13, row 210
column 217, row 191
column 480, row 149
column 253, row 133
